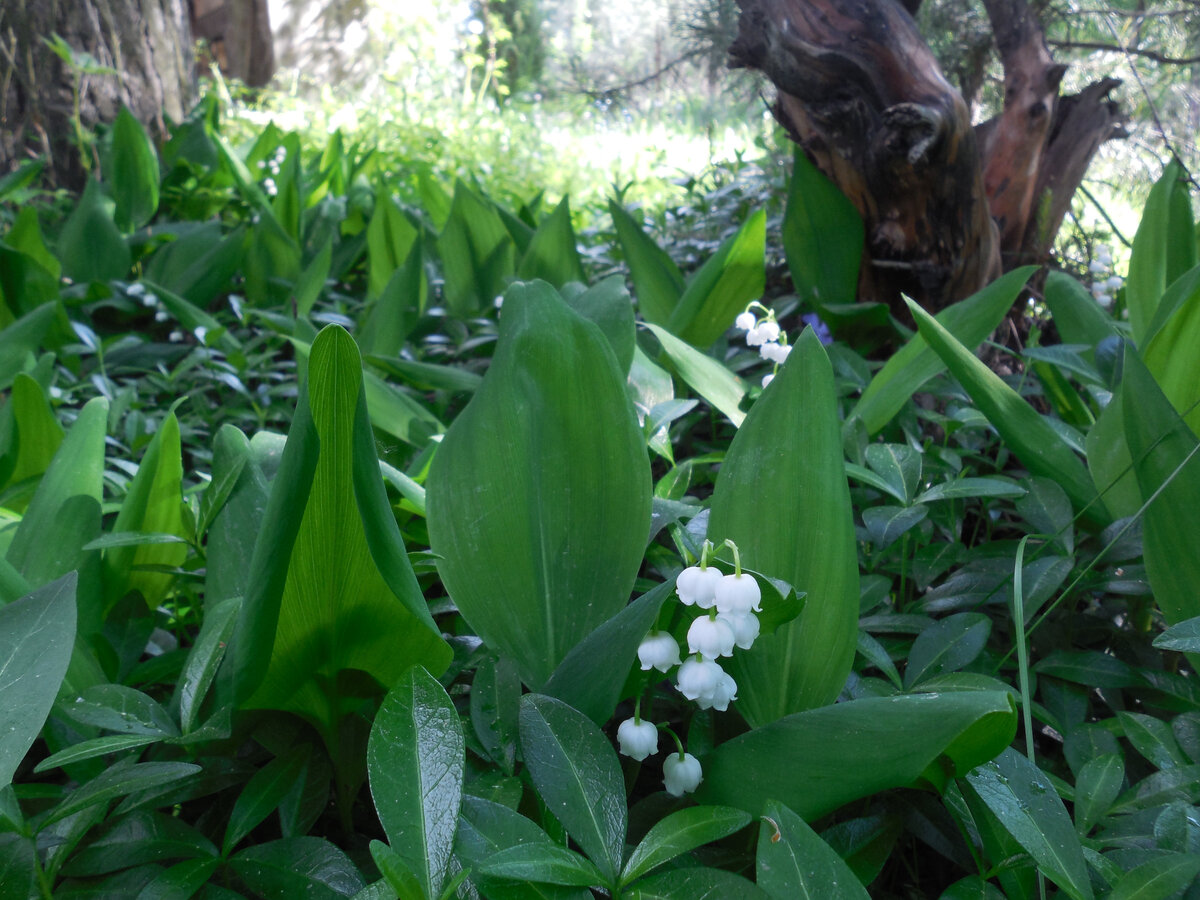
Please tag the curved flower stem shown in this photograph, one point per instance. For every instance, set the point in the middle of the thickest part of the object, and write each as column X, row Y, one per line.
column 674, row 737
column 737, row 557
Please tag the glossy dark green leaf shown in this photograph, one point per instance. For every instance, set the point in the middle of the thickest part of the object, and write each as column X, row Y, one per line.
column 1021, row 797
column 710, row 379
column 793, row 862
column 336, row 591
column 181, row 881
column 657, row 281
column 785, row 466
column 681, row 832
column 307, row 867
column 698, row 883
column 720, row 289
column 118, row 781
column 415, row 760
column 1152, row 738
column 133, row 173
column 101, row 746
column 899, row 465
column 552, row 255
column 18, row 867
column 1167, row 455
column 37, row 634
column 575, row 770
column 495, row 699
column 855, row 749
column 122, row 709
column 90, row 245
column 961, row 488
column 1096, row 787
column 535, row 492
column 542, row 862
column 478, row 254
column 204, row 659
column 947, row 646
column 970, row 321
column 263, row 793
column 972, row 888
column 1034, row 442
column 140, row 837
column 887, row 524
column 592, row 675
column 1184, row 637
column 403, row 884
column 1047, row 509
column 1158, row 879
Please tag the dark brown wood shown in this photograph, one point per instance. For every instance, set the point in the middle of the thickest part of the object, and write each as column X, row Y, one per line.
column 147, row 42
column 237, row 37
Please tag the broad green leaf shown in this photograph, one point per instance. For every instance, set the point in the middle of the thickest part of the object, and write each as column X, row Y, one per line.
column 1152, row 738
column 1023, row 429
column 26, row 236
column 947, row 646
column 1047, row 510
column 434, row 198
column 542, row 862
column 101, row 746
column 1184, row 637
column 90, row 245
column 64, row 513
column 133, row 172
column 1021, row 797
column 785, row 467
column 495, row 700
column 395, row 310
column 478, row 254
column 1158, row 879
column 887, row 524
column 591, row 676
column 721, row 288
column 536, row 492
column 122, row 709
column 263, row 793
column 272, row 262
column 37, row 436
column 710, row 379
column 20, row 340
column 552, row 255
column 1109, row 462
column 181, row 881
column 575, row 770
column 681, row 832
column 1162, row 248
column 960, row 488
column 822, row 236
column 428, row 376
column 119, row 780
column 794, row 863
column 307, row 867
column 37, row 633
column 1167, row 457
column 899, row 465
column 836, row 754
column 693, row 884
column 970, row 321
column 657, row 281
column 312, row 279
column 399, row 877
column 331, row 588
column 390, row 239
column 199, row 264
column 25, row 285
column 18, row 867
column 1173, row 356
column 972, row 888
column 416, row 759
column 1096, row 787
column 137, row 838
column 607, row 304
column 1077, row 316
column 153, row 504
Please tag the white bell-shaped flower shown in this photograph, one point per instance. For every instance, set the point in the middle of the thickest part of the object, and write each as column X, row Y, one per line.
column 767, row 379
column 725, row 691
column 681, row 774
column 637, row 739
column 711, row 638
column 698, row 586
column 698, row 678
column 745, row 321
column 745, row 629
column 737, row 595
column 776, row 353
column 658, row 650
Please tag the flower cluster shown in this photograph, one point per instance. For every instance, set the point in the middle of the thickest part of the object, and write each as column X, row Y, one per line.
column 272, row 165
column 729, row 604
column 766, row 335
column 1103, row 289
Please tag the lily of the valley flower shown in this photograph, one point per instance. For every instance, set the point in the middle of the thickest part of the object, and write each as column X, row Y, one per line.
column 697, row 585
column 658, row 650
column 745, row 629
column 681, row 774
column 737, row 595
column 698, row 678
column 722, row 694
column 637, row 739
column 711, row 637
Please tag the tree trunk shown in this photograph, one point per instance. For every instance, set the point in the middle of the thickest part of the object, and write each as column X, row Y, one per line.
column 147, row 44
column 946, row 206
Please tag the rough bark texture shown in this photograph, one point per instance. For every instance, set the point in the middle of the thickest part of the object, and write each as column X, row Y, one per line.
column 147, row 42
column 946, row 206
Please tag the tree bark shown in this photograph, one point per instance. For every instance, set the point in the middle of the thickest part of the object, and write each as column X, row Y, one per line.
column 947, row 206
column 146, row 42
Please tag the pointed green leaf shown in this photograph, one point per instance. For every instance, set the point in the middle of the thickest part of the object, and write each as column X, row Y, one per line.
column 90, row 245
column 695, row 882
column 1173, row 356
column 607, row 304
column 552, row 255
column 794, row 863
column 478, row 254
column 1163, row 247
column 133, row 173
column 1184, row 637
column 390, row 238
column 263, row 793
column 396, row 309
column 657, row 281
column 575, row 770
column 37, row 633
column 785, row 466
column 37, row 436
column 1037, row 445
column 1077, row 316
column 886, row 524
column 1096, row 788
column 710, row 379
column 681, row 832
column 535, row 492
column 20, row 340
column 547, row 863
column 1158, row 879
column 181, row 881
column 307, row 867
column 119, row 780
column 416, row 759
column 850, row 750
column 899, row 465
column 947, row 646
column 312, row 279
column 199, row 264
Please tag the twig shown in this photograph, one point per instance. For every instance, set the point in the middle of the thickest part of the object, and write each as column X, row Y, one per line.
column 1111, row 224
column 1120, row 48
column 604, row 93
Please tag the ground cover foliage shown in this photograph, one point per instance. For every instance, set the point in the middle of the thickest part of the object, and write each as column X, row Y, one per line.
column 334, row 523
